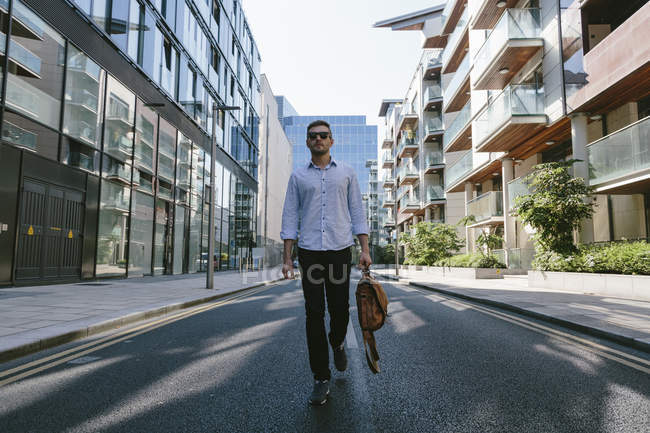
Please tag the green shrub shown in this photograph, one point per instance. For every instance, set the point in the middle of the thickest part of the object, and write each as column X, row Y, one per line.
column 471, row 261
column 615, row 258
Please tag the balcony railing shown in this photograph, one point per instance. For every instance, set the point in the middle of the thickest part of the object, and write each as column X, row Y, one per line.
column 517, row 188
column 435, row 193
column 387, row 156
column 407, row 169
column 621, row 153
column 515, row 100
column 119, row 172
column 406, row 142
column 452, row 42
column 459, row 169
column 486, row 206
column 459, row 78
column 433, row 157
column 514, row 24
column 432, row 92
column 433, row 59
column 460, row 122
column 432, row 125
column 409, row 200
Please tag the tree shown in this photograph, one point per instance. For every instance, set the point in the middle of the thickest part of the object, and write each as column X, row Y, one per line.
column 430, row 243
column 487, row 242
column 558, row 202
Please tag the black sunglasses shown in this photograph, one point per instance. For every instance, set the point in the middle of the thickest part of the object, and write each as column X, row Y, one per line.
column 323, row 135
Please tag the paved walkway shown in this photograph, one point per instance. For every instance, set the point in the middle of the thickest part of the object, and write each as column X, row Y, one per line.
column 623, row 320
column 38, row 317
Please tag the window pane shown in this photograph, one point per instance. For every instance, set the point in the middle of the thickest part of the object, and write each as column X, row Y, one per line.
column 146, row 130
column 141, row 232
column 36, row 56
column 151, row 50
column 84, row 5
column 183, row 164
column 4, row 4
column 135, row 30
column 76, row 154
column 83, row 98
column 179, row 239
column 166, row 158
column 162, row 236
column 195, row 241
column 168, row 67
column 100, row 12
column 120, row 117
column 113, row 227
column 118, row 23
column 24, row 133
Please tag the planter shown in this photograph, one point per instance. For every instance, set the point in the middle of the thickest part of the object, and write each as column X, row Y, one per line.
column 636, row 287
column 471, row 273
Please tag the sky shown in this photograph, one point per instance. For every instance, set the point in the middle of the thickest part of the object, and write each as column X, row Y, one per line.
column 326, row 57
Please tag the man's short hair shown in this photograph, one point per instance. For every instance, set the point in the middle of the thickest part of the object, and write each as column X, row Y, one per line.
column 319, row 123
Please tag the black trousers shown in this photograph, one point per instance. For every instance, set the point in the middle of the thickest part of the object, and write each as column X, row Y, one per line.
column 325, row 272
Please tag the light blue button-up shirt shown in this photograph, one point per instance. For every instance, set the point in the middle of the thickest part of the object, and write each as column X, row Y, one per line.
column 324, row 207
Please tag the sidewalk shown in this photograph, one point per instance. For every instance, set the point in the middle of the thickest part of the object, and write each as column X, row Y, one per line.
column 35, row 318
column 622, row 320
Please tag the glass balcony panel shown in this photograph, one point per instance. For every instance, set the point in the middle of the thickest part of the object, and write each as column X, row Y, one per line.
column 459, row 169
column 514, row 24
column 387, row 155
column 515, row 100
column 455, row 36
column 517, row 188
column 486, row 206
column 433, row 157
column 433, row 58
column 460, row 122
column 435, row 192
column 459, row 78
column 433, row 124
column 432, row 91
column 407, row 168
column 620, row 153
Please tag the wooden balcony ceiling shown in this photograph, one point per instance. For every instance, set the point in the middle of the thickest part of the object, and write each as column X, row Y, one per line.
column 492, row 221
column 458, row 101
column 433, row 136
column 410, row 209
column 488, row 14
column 433, row 203
column 434, row 168
column 463, row 140
column 409, row 179
column 514, row 132
column 458, row 55
column 638, row 184
column 387, row 144
column 409, row 121
column 478, row 175
column 454, row 16
column 432, row 71
column 438, row 41
column 408, row 151
column 558, row 132
column 434, row 104
column 514, row 56
column 388, row 164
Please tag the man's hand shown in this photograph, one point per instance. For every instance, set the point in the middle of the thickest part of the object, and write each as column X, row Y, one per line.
column 365, row 261
column 287, row 269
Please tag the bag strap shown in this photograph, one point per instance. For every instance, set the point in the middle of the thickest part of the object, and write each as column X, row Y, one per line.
column 370, row 346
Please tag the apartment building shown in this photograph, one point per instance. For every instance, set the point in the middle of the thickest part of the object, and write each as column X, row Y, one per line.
column 106, row 121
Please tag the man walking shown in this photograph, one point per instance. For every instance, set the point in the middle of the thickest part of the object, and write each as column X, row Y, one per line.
column 323, row 204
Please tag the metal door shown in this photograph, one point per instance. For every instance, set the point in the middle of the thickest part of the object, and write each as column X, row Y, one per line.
column 50, row 239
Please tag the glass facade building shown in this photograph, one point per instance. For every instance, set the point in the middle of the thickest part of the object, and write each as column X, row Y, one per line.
column 106, row 118
column 354, row 142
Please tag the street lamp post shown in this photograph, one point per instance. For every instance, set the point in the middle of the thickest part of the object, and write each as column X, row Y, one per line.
column 209, row 283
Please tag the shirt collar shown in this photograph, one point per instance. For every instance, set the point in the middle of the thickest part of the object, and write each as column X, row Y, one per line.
column 332, row 162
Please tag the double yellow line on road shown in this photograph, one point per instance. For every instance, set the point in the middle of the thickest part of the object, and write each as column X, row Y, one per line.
column 627, row 359
column 34, row 367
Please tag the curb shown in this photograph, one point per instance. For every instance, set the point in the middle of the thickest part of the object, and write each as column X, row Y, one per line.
column 67, row 337
column 616, row 338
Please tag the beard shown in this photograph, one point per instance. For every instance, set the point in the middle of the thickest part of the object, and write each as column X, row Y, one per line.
column 319, row 151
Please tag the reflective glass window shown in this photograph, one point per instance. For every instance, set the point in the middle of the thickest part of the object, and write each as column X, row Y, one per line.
column 83, row 98
column 135, row 29
column 112, row 240
column 77, row 154
column 168, row 67
column 194, row 264
column 225, row 219
column 36, row 58
column 100, row 12
column 166, row 158
column 4, row 21
column 22, row 132
column 118, row 23
column 183, row 169
column 141, row 233
column 179, row 239
column 118, row 129
column 84, row 5
column 162, row 238
column 151, row 51
column 146, row 132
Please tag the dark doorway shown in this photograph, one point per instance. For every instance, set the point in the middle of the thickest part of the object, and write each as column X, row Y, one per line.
column 162, row 251
column 50, row 238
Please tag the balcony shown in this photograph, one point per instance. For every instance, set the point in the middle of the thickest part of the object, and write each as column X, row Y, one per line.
column 433, row 160
column 83, row 99
column 458, row 135
column 120, row 148
column 407, row 172
column 451, row 14
column 457, row 46
column 457, row 92
column 487, row 208
column 120, row 173
column 389, row 182
column 389, row 223
column 389, row 199
column 619, row 163
column 410, row 203
column 517, row 188
column 116, row 203
column 486, row 13
column 435, row 195
column 509, row 120
column 26, row 63
column 511, row 44
column 387, row 159
column 458, row 170
column 19, row 136
column 432, row 96
column 432, row 128
column 408, row 119
column 432, row 64
column 407, row 146
column 388, row 141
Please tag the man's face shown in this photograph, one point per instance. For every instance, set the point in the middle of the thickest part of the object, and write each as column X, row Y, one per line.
column 319, row 145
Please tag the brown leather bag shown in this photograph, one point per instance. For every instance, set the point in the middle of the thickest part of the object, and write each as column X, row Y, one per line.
column 372, row 306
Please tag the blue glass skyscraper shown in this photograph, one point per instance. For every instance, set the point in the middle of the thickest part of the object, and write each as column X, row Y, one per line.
column 354, row 142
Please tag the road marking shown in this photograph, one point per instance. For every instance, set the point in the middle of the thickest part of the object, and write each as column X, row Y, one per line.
column 69, row 355
column 84, row 360
column 604, row 351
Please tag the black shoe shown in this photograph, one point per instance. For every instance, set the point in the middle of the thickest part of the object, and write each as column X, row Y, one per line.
column 319, row 394
column 340, row 359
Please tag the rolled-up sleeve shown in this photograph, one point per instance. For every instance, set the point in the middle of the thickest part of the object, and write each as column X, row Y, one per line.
column 290, row 211
column 355, row 205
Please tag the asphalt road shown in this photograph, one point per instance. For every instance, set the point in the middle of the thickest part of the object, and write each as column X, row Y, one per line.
column 447, row 366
